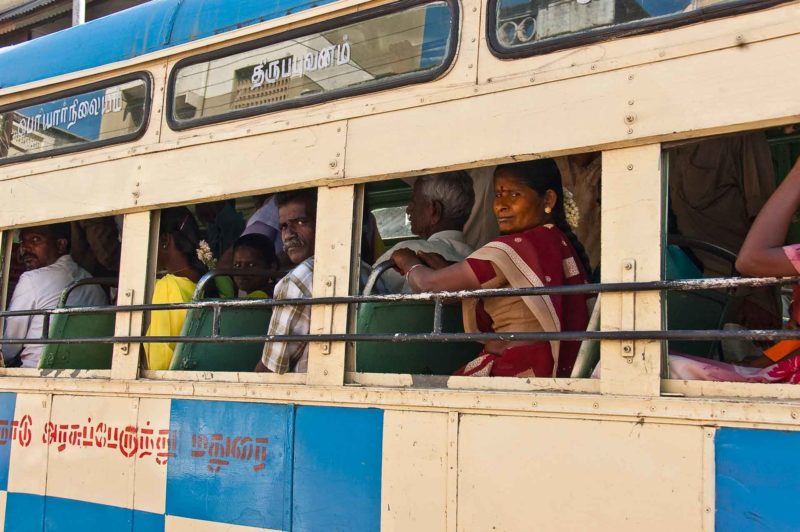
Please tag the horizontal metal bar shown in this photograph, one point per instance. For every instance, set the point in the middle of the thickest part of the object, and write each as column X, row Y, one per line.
column 645, row 286
column 772, row 335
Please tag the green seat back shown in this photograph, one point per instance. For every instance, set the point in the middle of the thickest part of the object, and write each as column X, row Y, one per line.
column 692, row 310
column 79, row 356
column 221, row 356
column 589, row 352
column 420, row 358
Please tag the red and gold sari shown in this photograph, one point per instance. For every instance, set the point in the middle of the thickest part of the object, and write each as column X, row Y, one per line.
column 538, row 257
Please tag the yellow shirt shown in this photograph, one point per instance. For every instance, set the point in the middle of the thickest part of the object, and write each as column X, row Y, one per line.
column 168, row 289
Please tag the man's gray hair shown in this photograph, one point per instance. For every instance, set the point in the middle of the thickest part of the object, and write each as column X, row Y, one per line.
column 453, row 190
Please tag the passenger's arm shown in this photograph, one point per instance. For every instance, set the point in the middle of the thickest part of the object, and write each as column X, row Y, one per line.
column 458, row 276
column 762, row 253
column 24, row 298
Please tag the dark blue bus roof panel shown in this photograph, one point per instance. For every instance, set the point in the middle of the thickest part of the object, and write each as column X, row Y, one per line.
column 146, row 28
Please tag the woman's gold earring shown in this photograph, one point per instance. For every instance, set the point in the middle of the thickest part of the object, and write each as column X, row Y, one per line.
column 548, row 210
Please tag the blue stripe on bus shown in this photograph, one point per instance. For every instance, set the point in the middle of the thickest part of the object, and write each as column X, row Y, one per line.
column 337, row 469
column 757, row 480
column 145, row 28
column 239, row 492
column 25, row 512
column 8, row 403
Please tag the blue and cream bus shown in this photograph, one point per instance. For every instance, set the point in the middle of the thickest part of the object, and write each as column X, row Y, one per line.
column 184, row 102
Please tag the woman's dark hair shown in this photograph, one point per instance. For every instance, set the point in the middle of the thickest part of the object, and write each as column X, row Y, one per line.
column 542, row 175
column 179, row 223
column 259, row 243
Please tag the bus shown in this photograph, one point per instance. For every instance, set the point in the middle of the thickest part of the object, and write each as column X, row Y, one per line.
column 197, row 107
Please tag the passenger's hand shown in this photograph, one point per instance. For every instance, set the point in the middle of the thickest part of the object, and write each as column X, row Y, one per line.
column 404, row 259
column 432, row 260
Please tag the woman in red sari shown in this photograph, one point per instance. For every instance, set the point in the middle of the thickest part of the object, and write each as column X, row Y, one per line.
column 536, row 248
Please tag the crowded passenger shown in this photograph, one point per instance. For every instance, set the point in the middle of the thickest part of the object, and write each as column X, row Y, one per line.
column 264, row 221
column 223, row 226
column 297, row 212
column 178, row 242
column 254, row 251
column 763, row 254
column 440, row 206
column 537, row 247
column 95, row 246
column 49, row 269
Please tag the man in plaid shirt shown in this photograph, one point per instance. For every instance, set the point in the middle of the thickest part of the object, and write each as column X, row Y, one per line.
column 297, row 214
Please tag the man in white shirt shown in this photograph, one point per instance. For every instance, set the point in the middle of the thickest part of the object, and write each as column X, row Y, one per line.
column 49, row 270
column 440, row 206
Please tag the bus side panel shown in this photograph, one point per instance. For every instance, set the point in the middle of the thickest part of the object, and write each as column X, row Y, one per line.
column 520, row 474
column 146, row 464
column 757, row 479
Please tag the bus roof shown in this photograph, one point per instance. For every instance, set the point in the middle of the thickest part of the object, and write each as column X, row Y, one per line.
column 146, row 28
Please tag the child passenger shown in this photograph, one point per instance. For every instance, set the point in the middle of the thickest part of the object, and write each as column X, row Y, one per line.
column 254, row 251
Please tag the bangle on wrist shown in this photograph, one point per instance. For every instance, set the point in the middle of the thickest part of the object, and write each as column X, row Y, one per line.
column 411, row 269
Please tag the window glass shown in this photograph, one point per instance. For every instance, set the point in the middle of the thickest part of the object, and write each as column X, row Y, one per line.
column 368, row 54
column 116, row 112
column 520, row 23
column 393, row 222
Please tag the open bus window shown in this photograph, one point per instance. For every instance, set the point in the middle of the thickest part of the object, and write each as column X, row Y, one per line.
column 456, row 220
column 527, row 27
column 253, row 248
column 368, row 51
column 104, row 113
column 59, row 266
column 717, row 187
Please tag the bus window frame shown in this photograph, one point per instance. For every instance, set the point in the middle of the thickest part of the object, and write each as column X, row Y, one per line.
column 142, row 75
column 324, row 97
column 628, row 29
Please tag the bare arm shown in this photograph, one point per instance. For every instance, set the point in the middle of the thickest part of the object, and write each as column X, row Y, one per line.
column 762, row 252
column 423, row 278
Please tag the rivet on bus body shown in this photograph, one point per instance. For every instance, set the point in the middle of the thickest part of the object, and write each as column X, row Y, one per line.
column 630, row 131
column 531, row 79
column 474, row 9
column 593, row 67
column 469, row 66
column 325, row 372
column 595, row 405
column 534, row 404
column 740, row 38
column 794, row 415
column 474, row 39
column 630, row 77
column 628, row 266
column 630, row 102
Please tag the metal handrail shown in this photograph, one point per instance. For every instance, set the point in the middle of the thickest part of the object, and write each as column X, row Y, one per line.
column 438, row 298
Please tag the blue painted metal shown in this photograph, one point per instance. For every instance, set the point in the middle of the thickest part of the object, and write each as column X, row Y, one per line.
column 237, row 493
column 757, row 480
column 8, row 402
column 337, row 469
column 146, row 28
column 24, row 512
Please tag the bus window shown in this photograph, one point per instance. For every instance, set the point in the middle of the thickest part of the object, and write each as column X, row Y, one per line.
column 364, row 52
column 249, row 248
column 72, row 264
column 469, row 230
column 104, row 113
column 717, row 187
column 519, row 28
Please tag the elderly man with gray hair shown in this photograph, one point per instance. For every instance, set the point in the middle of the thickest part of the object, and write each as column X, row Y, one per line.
column 440, row 206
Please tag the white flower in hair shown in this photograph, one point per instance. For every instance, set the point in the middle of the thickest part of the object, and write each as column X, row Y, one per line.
column 205, row 255
column 571, row 212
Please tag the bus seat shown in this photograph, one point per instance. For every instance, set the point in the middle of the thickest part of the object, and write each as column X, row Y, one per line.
column 589, row 352
column 425, row 358
column 221, row 356
column 94, row 325
column 692, row 310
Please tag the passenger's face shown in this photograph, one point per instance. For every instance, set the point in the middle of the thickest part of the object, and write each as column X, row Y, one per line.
column 245, row 258
column 420, row 213
column 517, row 206
column 297, row 231
column 39, row 249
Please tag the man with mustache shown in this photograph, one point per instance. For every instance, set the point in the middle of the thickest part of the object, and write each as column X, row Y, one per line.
column 297, row 212
column 49, row 269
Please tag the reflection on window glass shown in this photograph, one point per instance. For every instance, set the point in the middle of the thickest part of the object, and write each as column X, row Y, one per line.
column 96, row 116
column 393, row 223
column 521, row 22
column 409, row 42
